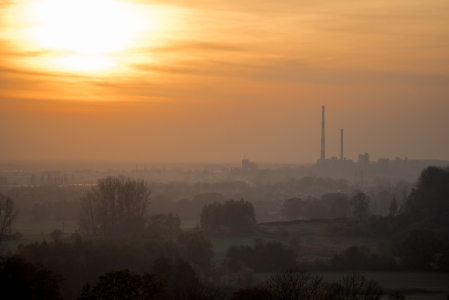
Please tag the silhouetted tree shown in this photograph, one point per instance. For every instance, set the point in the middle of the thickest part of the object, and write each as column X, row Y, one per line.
column 8, row 214
column 22, row 280
column 115, row 205
column 124, row 284
column 420, row 249
column 199, row 249
column 231, row 216
column 179, row 277
column 165, row 223
column 292, row 208
column 354, row 287
column 431, row 197
column 340, row 208
column 56, row 235
column 393, row 207
column 360, row 205
column 296, row 284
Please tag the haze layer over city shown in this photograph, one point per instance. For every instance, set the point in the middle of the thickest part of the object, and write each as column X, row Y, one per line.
column 224, row 149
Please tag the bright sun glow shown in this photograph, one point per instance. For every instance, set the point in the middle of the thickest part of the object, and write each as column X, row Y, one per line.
column 89, row 32
column 92, row 37
column 84, row 26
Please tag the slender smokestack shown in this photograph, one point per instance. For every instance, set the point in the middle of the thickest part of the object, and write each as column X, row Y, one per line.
column 323, row 151
column 341, row 150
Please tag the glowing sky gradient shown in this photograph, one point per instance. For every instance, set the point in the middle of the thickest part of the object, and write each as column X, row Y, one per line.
column 203, row 81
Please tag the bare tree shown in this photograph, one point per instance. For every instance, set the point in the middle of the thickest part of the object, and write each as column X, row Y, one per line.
column 355, row 287
column 115, row 205
column 8, row 214
column 296, row 284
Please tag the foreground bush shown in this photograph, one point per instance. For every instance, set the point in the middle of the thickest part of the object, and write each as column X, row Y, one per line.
column 24, row 280
column 296, row 284
column 124, row 285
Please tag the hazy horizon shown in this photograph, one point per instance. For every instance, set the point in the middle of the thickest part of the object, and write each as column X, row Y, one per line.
column 196, row 81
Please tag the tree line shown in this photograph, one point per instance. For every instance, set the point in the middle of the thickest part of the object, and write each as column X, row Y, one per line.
column 175, row 279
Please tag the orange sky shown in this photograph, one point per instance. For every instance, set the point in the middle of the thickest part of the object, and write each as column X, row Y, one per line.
column 204, row 81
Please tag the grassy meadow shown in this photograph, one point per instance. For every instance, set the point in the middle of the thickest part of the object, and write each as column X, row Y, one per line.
column 318, row 242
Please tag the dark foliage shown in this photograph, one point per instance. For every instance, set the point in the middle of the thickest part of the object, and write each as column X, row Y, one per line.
column 56, row 235
column 116, row 205
column 228, row 217
column 83, row 262
column 292, row 208
column 182, row 282
column 297, row 284
column 25, row 280
column 332, row 205
column 360, row 259
column 165, row 223
column 199, row 249
column 8, row 215
column 360, row 205
column 356, row 287
column 124, row 285
column 263, row 256
column 420, row 249
column 431, row 197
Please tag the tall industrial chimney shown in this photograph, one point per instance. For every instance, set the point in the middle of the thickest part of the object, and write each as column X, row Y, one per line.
column 323, row 151
column 341, row 150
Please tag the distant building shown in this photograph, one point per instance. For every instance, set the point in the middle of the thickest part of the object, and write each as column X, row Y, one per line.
column 248, row 165
column 363, row 161
column 383, row 163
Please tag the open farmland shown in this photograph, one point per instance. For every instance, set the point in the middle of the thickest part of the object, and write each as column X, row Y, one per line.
column 317, row 240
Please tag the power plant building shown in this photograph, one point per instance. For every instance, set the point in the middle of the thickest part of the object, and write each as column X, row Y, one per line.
column 343, row 167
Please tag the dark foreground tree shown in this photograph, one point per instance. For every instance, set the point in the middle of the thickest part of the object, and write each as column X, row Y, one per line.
column 124, row 285
column 182, row 282
column 297, row 284
column 420, row 249
column 200, row 250
column 8, row 215
column 23, row 280
column 115, row 205
column 430, row 200
column 354, row 287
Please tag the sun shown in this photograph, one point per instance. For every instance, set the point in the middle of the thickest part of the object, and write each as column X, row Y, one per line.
column 83, row 26
column 88, row 37
column 83, row 34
